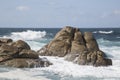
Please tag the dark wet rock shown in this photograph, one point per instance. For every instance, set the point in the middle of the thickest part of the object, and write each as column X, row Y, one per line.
column 8, row 50
column 5, row 40
column 21, row 45
column 79, row 48
column 26, row 63
column 18, row 54
column 5, row 58
column 28, row 54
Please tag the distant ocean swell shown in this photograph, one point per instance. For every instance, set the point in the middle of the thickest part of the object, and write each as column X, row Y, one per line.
column 104, row 32
column 61, row 69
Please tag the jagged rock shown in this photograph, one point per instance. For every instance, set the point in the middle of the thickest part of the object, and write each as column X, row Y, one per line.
column 5, row 58
column 5, row 40
column 76, row 47
column 43, row 51
column 21, row 45
column 91, row 43
column 60, row 46
column 8, row 50
column 28, row 54
column 18, row 54
column 101, row 61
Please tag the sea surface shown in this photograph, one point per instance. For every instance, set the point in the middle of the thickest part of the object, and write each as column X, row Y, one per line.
column 107, row 38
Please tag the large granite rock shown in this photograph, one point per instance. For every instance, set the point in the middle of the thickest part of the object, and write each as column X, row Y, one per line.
column 21, row 45
column 60, row 45
column 18, row 54
column 76, row 47
column 8, row 50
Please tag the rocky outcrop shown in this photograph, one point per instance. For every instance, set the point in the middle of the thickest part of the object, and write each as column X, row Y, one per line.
column 18, row 54
column 21, row 45
column 76, row 47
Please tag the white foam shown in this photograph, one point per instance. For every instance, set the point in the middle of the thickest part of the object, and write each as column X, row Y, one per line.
column 108, row 43
column 111, row 48
column 106, row 32
column 102, row 41
column 26, row 35
column 35, row 45
column 36, row 39
column 95, row 32
column 113, row 51
column 22, row 75
column 63, row 68
column 103, row 32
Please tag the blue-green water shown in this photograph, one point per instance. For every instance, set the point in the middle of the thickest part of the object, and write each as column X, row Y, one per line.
column 107, row 38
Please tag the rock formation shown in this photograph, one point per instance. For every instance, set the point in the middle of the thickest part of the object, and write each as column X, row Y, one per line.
column 76, row 47
column 18, row 54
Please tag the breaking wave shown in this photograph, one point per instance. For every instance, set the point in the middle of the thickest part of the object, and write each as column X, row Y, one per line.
column 103, row 32
column 111, row 48
column 26, row 35
column 61, row 69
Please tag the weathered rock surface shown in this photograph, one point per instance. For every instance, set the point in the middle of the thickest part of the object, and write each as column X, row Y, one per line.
column 21, row 45
column 28, row 54
column 26, row 63
column 18, row 54
column 5, row 41
column 76, row 47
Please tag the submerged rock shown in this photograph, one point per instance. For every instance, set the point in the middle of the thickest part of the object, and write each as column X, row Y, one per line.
column 18, row 54
column 76, row 47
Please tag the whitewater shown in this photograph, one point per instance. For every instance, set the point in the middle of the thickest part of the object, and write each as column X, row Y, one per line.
column 61, row 69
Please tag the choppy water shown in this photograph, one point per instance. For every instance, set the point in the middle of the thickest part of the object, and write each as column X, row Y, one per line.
column 108, row 40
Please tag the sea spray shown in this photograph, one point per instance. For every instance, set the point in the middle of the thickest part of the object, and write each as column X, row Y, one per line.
column 26, row 35
column 64, row 70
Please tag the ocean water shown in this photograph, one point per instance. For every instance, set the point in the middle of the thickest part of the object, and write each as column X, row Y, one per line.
column 107, row 38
